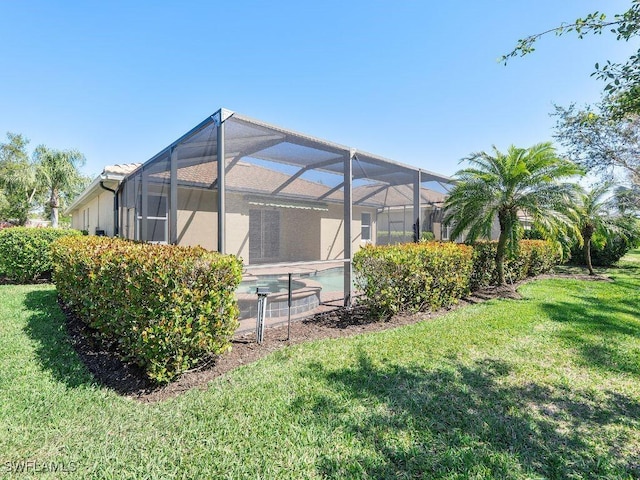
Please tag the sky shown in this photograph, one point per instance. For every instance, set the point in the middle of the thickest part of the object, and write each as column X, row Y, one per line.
column 418, row 82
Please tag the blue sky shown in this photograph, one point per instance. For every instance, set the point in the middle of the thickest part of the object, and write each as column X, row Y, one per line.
column 415, row 81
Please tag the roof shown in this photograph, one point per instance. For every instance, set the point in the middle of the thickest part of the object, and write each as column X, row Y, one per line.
column 245, row 177
column 377, row 181
column 394, row 195
column 119, row 169
column 111, row 176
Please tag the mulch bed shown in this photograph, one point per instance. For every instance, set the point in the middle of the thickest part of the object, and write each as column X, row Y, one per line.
column 130, row 381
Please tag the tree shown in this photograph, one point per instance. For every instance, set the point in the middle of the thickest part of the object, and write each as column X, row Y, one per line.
column 606, row 145
column 58, row 176
column 49, row 178
column 505, row 186
column 628, row 200
column 594, row 216
column 623, row 79
column 600, row 142
column 17, row 179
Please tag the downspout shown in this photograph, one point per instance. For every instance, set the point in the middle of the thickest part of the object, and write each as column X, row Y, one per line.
column 115, row 206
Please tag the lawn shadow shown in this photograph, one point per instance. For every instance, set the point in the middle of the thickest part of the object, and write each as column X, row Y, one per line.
column 460, row 421
column 46, row 326
column 67, row 350
column 597, row 330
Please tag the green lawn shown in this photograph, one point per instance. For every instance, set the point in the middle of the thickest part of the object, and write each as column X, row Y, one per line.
column 545, row 387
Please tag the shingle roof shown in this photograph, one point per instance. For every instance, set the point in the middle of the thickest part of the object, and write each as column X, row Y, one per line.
column 393, row 195
column 250, row 178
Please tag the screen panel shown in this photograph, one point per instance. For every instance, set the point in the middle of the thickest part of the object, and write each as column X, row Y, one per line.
column 197, row 193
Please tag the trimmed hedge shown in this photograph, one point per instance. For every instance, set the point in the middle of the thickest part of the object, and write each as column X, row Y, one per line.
column 413, row 276
column 532, row 258
column 166, row 308
column 417, row 276
column 25, row 255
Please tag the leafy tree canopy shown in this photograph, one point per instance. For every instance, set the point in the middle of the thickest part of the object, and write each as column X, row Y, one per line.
column 17, row 179
column 45, row 181
column 622, row 79
column 601, row 143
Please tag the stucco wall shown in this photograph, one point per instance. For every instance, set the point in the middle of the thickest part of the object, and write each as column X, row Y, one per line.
column 198, row 218
column 305, row 235
column 100, row 214
column 300, row 235
column 237, row 234
column 332, row 228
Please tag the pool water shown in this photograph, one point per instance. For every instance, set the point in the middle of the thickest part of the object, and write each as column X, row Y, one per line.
column 273, row 284
column 332, row 280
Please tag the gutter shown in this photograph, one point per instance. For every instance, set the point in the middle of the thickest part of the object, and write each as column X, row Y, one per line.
column 115, row 205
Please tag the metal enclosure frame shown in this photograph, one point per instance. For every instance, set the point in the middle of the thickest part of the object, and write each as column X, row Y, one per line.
column 230, row 159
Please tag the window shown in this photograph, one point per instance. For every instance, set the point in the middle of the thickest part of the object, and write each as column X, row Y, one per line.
column 365, row 227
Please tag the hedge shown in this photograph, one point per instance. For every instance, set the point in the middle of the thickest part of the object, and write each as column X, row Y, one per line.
column 413, row 276
column 166, row 308
column 25, row 255
column 532, row 258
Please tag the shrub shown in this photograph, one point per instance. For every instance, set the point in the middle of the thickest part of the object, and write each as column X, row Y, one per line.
column 386, row 237
column 604, row 253
column 541, row 256
column 412, row 277
column 427, row 237
column 613, row 250
column 25, row 255
column 607, row 249
column 166, row 308
column 532, row 257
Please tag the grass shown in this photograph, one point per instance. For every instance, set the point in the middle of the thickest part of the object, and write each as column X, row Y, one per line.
column 544, row 387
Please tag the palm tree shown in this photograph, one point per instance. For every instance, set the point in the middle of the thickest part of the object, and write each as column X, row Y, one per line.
column 504, row 186
column 594, row 211
column 58, row 173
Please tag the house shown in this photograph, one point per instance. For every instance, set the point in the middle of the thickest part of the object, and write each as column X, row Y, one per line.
column 93, row 210
column 278, row 198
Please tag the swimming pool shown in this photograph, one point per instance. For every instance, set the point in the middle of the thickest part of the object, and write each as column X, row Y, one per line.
column 332, row 279
column 306, row 291
column 275, row 284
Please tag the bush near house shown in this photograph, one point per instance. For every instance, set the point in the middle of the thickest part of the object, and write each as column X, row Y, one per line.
column 412, row 277
column 532, row 257
column 25, row 255
column 166, row 308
